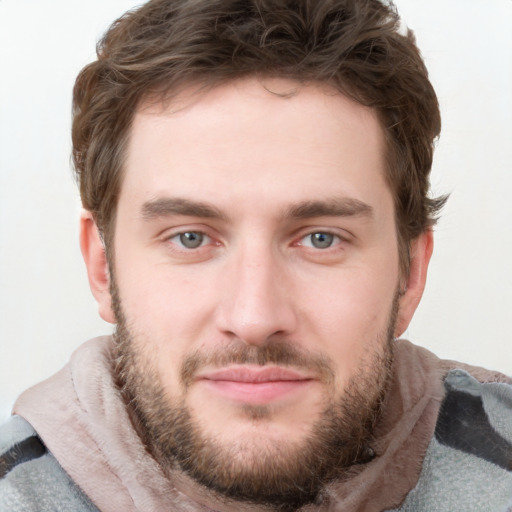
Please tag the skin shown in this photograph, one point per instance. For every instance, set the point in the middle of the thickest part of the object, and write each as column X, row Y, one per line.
column 256, row 162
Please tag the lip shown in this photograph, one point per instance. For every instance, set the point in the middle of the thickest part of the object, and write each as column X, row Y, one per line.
column 255, row 385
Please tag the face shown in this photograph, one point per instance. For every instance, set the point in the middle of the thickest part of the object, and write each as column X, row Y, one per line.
column 256, row 277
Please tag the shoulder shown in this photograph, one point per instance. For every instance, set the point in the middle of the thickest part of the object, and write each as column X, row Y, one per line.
column 476, row 418
column 468, row 464
column 30, row 477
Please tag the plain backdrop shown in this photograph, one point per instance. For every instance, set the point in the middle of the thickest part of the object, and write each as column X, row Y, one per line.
column 46, row 309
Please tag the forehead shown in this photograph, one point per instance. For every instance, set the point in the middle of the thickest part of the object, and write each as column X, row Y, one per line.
column 253, row 138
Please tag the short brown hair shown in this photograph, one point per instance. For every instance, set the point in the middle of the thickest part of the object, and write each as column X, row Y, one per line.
column 354, row 45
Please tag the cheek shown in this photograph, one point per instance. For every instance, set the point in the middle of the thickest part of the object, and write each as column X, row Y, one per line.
column 162, row 313
column 348, row 319
column 153, row 292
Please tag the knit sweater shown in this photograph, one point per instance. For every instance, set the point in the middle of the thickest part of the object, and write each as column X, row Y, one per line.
column 444, row 443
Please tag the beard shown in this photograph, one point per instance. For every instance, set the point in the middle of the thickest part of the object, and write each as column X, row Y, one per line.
column 281, row 475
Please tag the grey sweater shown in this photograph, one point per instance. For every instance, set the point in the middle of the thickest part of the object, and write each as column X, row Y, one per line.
column 445, row 445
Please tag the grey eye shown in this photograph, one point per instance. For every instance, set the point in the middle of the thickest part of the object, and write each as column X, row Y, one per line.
column 321, row 240
column 191, row 239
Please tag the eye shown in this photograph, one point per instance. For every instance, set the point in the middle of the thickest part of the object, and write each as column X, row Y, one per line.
column 190, row 239
column 320, row 240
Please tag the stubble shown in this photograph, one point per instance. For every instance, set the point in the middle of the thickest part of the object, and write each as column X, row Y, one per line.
column 281, row 475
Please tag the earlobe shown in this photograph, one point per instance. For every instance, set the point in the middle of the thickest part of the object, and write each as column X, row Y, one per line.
column 410, row 296
column 93, row 252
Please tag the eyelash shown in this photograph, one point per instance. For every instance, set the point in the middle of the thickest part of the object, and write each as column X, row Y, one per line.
column 176, row 240
column 336, row 240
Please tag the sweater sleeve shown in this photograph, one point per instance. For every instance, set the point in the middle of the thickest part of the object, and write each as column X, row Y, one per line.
column 31, row 480
column 468, row 465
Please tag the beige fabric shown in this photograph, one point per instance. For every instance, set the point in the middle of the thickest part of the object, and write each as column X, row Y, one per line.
column 79, row 415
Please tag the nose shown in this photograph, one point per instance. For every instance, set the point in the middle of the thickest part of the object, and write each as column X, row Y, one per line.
column 257, row 301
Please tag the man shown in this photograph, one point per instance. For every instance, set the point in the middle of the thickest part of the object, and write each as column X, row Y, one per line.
column 257, row 225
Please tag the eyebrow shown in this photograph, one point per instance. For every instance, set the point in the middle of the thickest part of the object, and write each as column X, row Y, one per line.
column 338, row 207
column 167, row 206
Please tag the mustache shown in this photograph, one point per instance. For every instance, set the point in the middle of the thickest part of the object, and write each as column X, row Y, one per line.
column 278, row 352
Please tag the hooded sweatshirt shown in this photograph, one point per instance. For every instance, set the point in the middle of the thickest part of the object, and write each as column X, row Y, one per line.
column 443, row 443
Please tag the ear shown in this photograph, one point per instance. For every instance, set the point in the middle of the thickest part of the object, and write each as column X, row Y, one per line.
column 412, row 289
column 93, row 252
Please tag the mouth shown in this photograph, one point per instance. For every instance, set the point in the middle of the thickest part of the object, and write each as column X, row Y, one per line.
column 255, row 385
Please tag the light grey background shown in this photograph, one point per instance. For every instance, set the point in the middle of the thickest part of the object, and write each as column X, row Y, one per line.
column 46, row 309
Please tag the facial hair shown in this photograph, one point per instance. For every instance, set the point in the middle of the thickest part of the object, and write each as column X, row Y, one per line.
column 283, row 476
